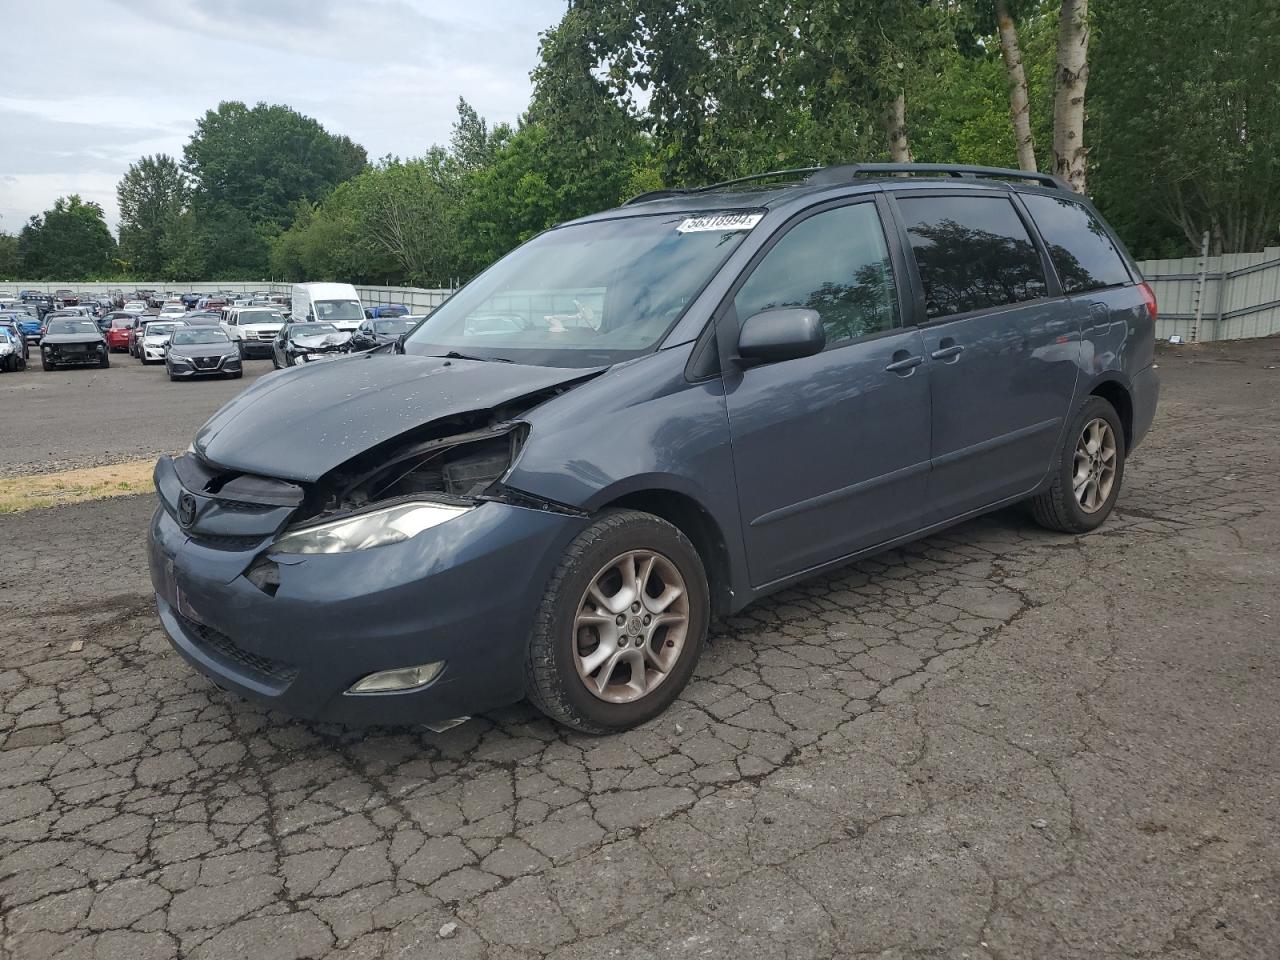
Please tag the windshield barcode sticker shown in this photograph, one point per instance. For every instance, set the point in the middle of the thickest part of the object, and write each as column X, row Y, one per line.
column 720, row 221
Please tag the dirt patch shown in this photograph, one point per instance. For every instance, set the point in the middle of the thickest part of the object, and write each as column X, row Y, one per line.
column 32, row 491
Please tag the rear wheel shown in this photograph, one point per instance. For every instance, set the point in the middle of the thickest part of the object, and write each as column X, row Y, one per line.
column 621, row 627
column 1088, row 474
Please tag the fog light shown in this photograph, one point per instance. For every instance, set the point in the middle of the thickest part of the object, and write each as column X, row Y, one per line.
column 402, row 678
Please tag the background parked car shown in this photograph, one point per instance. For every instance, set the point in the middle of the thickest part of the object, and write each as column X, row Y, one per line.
column 10, row 322
column 254, row 329
column 376, row 333
column 155, row 340
column 12, row 350
column 308, row 342
column 202, row 351
column 120, row 323
column 73, row 341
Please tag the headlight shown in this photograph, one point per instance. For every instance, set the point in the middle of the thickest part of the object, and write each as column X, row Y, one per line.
column 375, row 529
column 174, row 358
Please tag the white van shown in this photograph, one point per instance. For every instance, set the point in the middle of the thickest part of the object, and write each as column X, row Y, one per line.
column 336, row 303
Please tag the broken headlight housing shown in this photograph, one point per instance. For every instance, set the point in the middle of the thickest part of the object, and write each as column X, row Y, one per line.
column 374, row 528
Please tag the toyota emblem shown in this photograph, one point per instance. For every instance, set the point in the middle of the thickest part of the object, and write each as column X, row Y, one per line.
column 186, row 509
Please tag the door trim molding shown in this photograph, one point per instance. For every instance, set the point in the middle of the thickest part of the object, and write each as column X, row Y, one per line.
column 1013, row 436
column 833, row 496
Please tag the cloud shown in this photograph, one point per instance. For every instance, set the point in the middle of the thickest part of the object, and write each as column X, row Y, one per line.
column 388, row 73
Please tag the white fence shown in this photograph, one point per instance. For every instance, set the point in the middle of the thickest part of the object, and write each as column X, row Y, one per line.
column 1231, row 297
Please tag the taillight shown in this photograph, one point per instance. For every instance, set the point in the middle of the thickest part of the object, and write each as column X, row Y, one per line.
column 1150, row 297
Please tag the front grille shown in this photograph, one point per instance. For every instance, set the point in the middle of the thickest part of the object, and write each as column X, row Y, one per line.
column 221, row 647
column 206, row 363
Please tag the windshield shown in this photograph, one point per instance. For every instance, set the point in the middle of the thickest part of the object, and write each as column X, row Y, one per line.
column 200, row 335
column 312, row 330
column 582, row 296
column 392, row 328
column 160, row 329
column 339, row 310
column 71, row 327
column 259, row 316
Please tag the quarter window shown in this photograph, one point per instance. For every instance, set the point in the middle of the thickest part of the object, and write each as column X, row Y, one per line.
column 972, row 252
column 1079, row 247
column 835, row 262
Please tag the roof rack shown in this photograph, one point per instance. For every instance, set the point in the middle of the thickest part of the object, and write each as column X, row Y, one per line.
column 842, row 173
column 686, row 191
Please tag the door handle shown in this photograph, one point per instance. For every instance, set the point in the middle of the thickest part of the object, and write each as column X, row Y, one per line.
column 904, row 363
column 947, row 349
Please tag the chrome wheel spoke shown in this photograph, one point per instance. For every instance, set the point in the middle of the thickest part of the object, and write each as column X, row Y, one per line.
column 631, row 626
column 1094, row 470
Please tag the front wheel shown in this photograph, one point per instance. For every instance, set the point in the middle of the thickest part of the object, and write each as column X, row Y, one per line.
column 44, row 362
column 620, row 629
column 1088, row 473
column 104, row 361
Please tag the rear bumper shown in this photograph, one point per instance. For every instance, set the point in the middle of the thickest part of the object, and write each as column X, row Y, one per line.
column 464, row 593
column 1146, row 396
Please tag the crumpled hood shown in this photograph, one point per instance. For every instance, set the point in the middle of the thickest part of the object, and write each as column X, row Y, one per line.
column 302, row 422
column 322, row 340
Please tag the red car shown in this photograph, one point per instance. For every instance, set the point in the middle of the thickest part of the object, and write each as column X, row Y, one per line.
column 118, row 332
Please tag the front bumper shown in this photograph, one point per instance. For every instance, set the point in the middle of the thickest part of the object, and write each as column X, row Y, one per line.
column 227, row 366
column 153, row 353
column 464, row 592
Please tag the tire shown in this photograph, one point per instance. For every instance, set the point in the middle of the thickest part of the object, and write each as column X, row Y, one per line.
column 172, row 378
column 553, row 682
column 46, row 364
column 1059, row 508
column 274, row 362
column 104, row 361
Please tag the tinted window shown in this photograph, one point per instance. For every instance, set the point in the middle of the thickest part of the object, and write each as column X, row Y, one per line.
column 1079, row 247
column 835, row 262
column 973, row 253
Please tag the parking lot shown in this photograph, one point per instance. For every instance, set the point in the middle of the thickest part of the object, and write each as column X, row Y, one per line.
column 84, row 417
column 996, row 743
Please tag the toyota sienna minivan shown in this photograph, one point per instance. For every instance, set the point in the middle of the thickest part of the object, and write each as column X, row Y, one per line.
column 647, row 418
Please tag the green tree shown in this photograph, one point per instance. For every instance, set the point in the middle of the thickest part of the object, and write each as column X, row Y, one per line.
column 249, row 167
column 69, row 241
column 10, row 257
column 151, row 196
column 1186, row 120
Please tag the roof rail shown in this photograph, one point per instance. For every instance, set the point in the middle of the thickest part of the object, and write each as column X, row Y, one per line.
column 844, row 172
column 685, row 191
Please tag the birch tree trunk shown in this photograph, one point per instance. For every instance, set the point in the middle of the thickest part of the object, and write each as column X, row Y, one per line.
column 1019, row 102
column 1068, row 104
column 895, row 123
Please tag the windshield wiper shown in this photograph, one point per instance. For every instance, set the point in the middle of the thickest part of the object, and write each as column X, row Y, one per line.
column 455, row 355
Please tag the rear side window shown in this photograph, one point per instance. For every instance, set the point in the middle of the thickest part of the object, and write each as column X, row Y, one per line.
column 1079, row 247
column 835, row 262
column 972, row 252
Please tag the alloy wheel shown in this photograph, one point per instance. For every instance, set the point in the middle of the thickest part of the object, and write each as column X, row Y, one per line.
column 631, row 626
column 1095, row 465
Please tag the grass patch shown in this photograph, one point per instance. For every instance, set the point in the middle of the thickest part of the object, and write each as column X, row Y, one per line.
column 37, row 490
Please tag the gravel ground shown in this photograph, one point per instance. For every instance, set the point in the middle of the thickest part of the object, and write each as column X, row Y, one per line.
column 996, row 743
column 85, row 417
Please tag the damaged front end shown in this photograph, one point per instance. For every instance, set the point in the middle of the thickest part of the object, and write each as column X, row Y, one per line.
column 386, row 494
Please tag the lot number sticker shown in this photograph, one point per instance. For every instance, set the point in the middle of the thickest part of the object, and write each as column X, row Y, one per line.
column 720, row 221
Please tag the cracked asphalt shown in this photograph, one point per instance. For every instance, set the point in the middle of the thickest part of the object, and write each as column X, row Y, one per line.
column 995, row 743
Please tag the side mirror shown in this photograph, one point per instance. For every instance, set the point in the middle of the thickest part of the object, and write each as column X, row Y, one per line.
column 785, row 334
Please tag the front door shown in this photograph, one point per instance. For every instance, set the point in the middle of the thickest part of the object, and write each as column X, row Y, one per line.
column 831, row 452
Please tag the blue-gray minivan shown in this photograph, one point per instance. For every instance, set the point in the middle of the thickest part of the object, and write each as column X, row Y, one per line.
column 647, row 418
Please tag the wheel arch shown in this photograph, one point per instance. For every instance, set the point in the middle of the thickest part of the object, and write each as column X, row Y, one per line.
column 688, row 516
column 1117, row 393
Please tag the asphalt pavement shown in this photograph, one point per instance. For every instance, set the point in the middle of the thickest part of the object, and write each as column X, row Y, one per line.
column 997, row 743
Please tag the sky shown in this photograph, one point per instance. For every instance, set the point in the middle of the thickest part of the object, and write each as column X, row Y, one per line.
column 95, row 84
